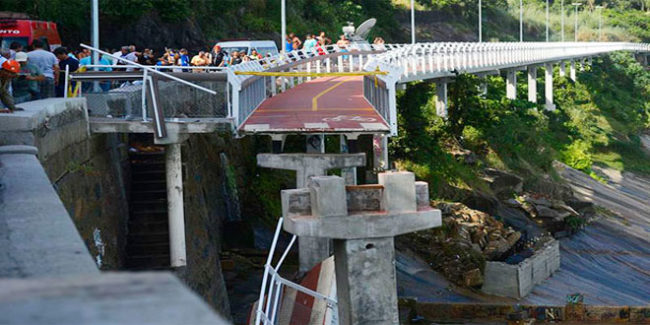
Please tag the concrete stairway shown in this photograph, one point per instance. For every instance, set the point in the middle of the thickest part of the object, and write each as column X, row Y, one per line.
column 147, row 245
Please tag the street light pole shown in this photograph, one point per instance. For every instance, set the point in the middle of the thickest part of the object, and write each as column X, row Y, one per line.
column 283, row 37
column 600, row 23
column 480, row 22
column 547, row 18
column 521, row 20
column 95, row 37
column 575, row 30
column 562, row 18
column 412, row 22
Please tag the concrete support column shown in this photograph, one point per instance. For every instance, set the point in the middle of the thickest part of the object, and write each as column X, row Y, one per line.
column 562, row 69
column 548, row 84
column 441, row 98
column 175, row 208
column 572, row 70
column 511, row 84
column 315, row 143
column 311, row 250
column 362, row 221
column 348, row 144
column 532, row 84
column 380, row 152
column 483, row 86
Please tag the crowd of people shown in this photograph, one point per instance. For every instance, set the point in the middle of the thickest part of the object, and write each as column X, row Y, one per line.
column 36, row 73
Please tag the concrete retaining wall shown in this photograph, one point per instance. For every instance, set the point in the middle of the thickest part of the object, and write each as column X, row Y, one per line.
column 490, row 313
column 517, row 281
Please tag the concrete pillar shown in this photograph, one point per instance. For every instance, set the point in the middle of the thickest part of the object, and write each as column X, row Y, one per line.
column 348, row 144
column 590, row 61
column 175, row 209
column 483, row 86
column 380, row 152
column 311, row 250
column 441, row 98
column 562, row 69
column 362, row 221
column 532, row 84
column 572, row 70
column 315, row 143
column 511, row 84
column 548, row 82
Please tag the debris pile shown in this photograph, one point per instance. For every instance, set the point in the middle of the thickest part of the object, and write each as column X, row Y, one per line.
column 461, row 246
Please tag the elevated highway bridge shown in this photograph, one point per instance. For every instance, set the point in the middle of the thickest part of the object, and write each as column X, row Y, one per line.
column 336, row 92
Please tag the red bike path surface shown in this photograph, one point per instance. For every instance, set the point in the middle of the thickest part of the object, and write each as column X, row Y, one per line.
column 323, row 105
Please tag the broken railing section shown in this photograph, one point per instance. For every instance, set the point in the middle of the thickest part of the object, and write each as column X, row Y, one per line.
column 362, row 221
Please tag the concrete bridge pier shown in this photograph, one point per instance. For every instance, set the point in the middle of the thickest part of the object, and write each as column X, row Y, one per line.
column 441, row 98
column 572, row 70
column 175, row 204
column 548, row 87
column 532, row 84
column 349, row 144
column 362, row 221
column 311, row 250
column 562, row 69
column 511, row 84
column 483, row 86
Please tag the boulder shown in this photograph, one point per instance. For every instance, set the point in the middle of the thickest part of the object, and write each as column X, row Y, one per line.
column 502, row 182
column 546, row 212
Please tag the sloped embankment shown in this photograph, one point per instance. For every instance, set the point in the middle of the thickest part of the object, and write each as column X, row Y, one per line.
column 608, row 262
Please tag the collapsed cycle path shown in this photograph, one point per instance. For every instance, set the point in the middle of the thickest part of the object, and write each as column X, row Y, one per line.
column 323, row 105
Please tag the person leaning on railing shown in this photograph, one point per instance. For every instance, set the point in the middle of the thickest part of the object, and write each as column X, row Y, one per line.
column 10, row 69
column 26, row 85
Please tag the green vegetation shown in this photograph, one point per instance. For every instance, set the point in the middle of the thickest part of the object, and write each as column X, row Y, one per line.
column 597, row 122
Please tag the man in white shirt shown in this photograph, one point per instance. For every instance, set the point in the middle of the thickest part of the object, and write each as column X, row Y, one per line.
column 47, row 62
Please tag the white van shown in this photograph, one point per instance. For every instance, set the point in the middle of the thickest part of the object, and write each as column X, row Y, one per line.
column 265, row 48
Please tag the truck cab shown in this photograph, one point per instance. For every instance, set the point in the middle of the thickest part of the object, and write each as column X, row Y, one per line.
column 25, row 31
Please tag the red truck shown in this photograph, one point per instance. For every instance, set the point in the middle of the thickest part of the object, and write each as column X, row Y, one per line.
column 24, row 31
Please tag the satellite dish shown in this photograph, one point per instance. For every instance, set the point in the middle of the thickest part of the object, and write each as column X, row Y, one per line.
column 364, row 29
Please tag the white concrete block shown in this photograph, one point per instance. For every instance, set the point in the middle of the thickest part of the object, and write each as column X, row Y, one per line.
column 328, row 197
column 399, row 191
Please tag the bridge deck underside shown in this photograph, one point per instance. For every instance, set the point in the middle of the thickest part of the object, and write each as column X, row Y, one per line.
column 324, row 105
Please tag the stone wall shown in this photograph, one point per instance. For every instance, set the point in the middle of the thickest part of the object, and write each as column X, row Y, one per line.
column 517, row 281
column 87, row 170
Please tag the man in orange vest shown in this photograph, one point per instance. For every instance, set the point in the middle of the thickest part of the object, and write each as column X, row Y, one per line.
column 10, row 69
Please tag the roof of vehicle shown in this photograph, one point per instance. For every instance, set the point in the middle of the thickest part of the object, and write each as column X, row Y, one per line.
column 266, row 43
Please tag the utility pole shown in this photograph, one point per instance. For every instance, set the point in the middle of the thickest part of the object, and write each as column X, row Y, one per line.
column 283, row 36
column 562, row 18
column 480, row 22
column 521, row 20
column 576, row 4
column 600, row 23
column 547, row 19
column 95, row 36
column 412, row 22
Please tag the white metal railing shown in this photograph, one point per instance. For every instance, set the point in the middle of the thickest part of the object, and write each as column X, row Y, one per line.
column 434, row 60
column 147, row 83
column 273, row 285
column 246, row 92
